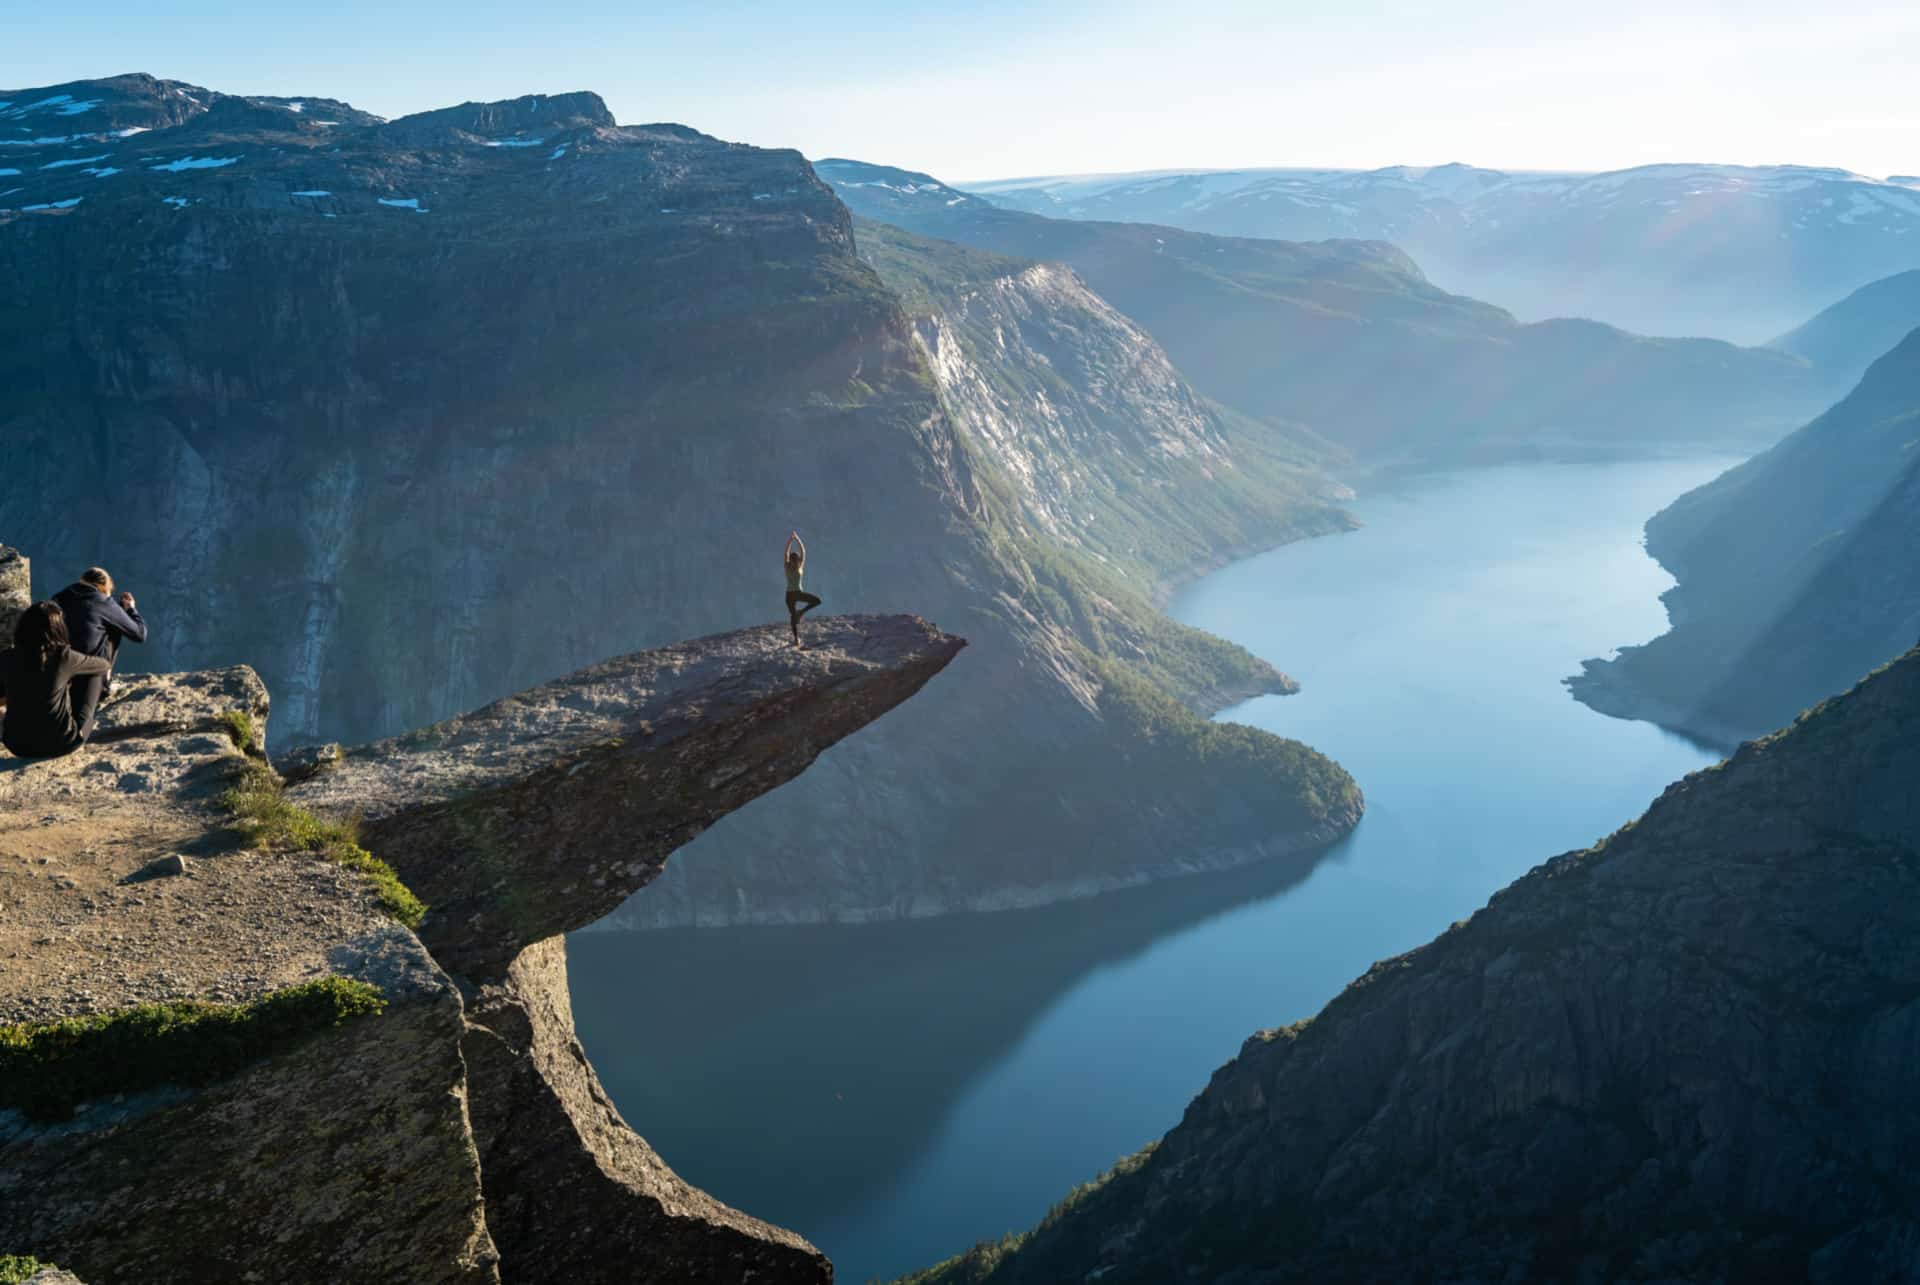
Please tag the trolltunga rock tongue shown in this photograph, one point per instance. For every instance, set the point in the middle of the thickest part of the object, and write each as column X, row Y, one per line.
column 542, row 812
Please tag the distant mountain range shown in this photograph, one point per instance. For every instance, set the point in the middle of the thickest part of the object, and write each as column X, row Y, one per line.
column 1350, row 340
column 1737, row 252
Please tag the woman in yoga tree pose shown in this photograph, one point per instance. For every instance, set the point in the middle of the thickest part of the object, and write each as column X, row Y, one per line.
column 799, row 601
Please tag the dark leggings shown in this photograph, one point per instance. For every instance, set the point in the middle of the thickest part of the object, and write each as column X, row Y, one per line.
column 794, row 611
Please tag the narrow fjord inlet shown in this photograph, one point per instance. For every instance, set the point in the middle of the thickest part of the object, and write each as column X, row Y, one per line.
column 896, row 1092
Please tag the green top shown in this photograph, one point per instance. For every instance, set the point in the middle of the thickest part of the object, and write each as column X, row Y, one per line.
column 794, row 570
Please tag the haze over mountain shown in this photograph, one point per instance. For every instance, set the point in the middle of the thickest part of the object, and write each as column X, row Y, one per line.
column 1860, row 329
column 1735, row 252
column 1350, row 340
column 1682, row 1054
column 412, row 414
column 1796, row 570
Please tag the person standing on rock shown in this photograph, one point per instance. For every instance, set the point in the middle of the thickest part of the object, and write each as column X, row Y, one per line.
column 799, row 601
column 98, row 623
column 38, row 676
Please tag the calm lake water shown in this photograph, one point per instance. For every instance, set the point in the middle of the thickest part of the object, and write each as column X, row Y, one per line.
column 897, row 1092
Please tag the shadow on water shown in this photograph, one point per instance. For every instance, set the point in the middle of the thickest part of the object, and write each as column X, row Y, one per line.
column 743, row 1054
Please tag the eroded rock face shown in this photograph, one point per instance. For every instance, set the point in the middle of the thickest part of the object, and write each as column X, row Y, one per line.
column 1685, row 1055
column 573, row 1194
column 350, row 1158
column 542, row 812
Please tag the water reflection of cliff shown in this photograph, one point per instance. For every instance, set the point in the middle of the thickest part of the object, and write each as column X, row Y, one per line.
column 750, row 1056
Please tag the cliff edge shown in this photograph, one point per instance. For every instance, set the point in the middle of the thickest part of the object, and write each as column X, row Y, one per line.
column 226, row 1053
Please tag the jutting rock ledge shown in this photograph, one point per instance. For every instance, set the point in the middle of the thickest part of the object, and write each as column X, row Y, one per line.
column 460, row 1134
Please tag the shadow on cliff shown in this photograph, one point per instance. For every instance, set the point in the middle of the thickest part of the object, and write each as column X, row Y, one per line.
column 749, row 1055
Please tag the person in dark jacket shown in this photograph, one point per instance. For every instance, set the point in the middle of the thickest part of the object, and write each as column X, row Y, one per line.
column 37, row 678
column 97, row 623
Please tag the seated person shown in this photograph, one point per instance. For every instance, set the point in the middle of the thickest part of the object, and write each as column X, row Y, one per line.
column 97, row 624
column 37, row 675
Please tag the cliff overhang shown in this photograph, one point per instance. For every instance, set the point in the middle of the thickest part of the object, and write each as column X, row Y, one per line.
column 457, row 1133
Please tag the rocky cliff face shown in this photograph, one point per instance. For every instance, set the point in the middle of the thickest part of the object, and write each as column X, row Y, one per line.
column 1681, row 1055
column 16, row 591
column 458, row 1134
column 1351, row 340
column 1796, row 572
column 412, row 414
column 1099, row 442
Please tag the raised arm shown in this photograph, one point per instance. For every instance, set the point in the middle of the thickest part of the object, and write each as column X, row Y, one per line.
column 126, row 618
column 795, row 542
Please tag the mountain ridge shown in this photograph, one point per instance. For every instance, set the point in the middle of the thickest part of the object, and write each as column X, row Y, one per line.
column 1299, row 333
column 1658, row 248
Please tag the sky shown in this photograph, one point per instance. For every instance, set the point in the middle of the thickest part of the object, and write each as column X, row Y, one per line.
column 981, row 89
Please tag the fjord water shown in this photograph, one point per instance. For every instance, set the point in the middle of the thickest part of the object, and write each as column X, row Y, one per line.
column 897, row 1092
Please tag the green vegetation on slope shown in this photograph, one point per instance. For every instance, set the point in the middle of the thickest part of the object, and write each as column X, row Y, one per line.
column 269, row 820
column 48, row 1068
column 15, row 1269
column 977, row 1265
column 240, row 729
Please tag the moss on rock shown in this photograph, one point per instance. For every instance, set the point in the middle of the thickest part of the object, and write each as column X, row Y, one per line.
column 48, row 1068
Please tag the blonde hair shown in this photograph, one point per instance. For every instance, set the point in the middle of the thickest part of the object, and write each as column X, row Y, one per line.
column 98, row 578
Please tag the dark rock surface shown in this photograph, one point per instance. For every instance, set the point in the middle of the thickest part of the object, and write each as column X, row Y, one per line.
column 1796, row 572
column 1685, row 1054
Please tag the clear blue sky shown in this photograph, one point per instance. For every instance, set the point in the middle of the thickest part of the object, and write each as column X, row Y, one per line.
column 973, row 89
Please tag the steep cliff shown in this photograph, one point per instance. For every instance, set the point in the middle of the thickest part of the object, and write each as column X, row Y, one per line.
column 1684, row 1054
column 1351, row 340
column 1098, row 440
column 1796, row 572
column 412, row 414
column 235, row 1065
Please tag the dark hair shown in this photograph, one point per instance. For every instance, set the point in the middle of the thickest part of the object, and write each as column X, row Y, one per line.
column 42, row 634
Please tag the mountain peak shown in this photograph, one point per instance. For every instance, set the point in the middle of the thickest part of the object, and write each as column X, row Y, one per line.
column 582, row 109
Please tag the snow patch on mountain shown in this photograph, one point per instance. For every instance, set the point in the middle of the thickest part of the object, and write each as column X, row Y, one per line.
column 194, row 163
